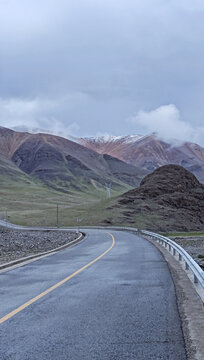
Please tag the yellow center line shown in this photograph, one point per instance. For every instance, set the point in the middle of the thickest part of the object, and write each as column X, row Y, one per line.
column 33, row 300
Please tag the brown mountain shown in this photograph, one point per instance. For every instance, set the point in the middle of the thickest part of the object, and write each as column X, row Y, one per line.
column 171, row 198
column 62, row 163
column 148, row 152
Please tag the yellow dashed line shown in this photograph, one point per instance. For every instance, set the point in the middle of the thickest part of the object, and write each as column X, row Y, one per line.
column 33, row 300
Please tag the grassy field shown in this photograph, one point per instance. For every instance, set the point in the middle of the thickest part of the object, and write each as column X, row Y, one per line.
column 27, row 201
column 183, row 234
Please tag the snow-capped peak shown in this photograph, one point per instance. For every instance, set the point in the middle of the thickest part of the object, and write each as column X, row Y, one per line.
column 110, row 138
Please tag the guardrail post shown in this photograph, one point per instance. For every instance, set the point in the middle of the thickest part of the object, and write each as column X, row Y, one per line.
column 183, row 257
column 187, row 266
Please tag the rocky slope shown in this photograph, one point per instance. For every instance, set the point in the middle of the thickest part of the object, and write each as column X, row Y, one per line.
column 148, row 152
column 194, row 245
column 64, row 164
column 171, row 198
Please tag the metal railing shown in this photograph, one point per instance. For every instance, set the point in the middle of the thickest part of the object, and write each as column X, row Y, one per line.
column 182, row 254
column 168, row 243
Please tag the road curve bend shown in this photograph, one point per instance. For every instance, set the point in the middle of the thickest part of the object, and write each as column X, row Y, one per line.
column 110, row 297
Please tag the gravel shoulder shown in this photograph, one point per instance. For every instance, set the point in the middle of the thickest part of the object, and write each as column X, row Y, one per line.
column 194, row 245
column 15, row 244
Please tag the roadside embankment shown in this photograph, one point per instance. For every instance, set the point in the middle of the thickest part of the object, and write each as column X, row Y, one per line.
column 194, row 245
column 16, row 244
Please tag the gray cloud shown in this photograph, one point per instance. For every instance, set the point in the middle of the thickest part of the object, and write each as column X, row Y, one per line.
column 95, row 63
column 167, row 123
column 37, row 114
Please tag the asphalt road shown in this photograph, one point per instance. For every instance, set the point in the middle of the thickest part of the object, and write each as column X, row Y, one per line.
column 121, row 304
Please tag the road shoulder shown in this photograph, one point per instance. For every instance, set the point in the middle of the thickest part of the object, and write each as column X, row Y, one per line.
column 190, row 307
column 28, row 259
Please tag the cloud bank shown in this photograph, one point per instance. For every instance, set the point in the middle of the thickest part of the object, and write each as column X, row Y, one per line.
column 35, row 115
column 93, row 63
column 167, row 123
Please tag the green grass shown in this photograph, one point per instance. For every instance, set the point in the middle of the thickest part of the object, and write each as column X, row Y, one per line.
column 183, row 234
column 30, row 202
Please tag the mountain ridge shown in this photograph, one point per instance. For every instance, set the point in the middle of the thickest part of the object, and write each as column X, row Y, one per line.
column 148, row 152
column 64, row 164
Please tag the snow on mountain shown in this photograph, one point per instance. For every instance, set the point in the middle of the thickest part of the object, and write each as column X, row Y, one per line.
column 149, row 152
column 114, row 139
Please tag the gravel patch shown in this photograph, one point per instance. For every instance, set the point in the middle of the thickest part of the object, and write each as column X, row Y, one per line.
column 194, row 245
column 15, row 244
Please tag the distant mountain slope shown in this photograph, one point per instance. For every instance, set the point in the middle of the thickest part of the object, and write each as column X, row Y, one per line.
column 26, row 200
column 65, row 164
column 9, row 171
column 10, row 141
column 148, row 152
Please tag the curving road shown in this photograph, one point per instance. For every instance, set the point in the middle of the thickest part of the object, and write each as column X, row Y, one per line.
column 109, row 297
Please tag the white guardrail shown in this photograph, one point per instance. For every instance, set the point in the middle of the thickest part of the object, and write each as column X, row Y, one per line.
column 166, row 242
column 173, row 248
column 182, row 254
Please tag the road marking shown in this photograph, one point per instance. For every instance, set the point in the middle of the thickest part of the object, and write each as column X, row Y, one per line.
column 33, row 300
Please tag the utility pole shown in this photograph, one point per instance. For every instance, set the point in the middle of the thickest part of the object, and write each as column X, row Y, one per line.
column 6, row 217
column 108, row 189
column 57, row 215
column 78, row 221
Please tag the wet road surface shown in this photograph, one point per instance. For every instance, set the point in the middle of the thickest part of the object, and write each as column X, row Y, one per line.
column 116, row 301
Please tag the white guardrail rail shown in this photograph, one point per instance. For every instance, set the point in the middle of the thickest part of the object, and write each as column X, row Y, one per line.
column 174, row 248
column 182, row 255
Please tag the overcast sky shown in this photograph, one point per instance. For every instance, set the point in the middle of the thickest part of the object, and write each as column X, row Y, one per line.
column 94, row 67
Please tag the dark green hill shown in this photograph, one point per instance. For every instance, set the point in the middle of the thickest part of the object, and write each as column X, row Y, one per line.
column 171, row 198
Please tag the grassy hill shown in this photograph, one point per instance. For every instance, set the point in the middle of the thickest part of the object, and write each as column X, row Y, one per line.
column 170, row 199
column 29, row 201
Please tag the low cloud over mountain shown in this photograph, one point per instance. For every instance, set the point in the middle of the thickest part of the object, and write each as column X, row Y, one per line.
column 149, row 152
column 67, row 165
column 167, row 123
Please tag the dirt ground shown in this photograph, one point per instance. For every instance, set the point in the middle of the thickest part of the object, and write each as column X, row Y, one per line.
column 194, row 245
